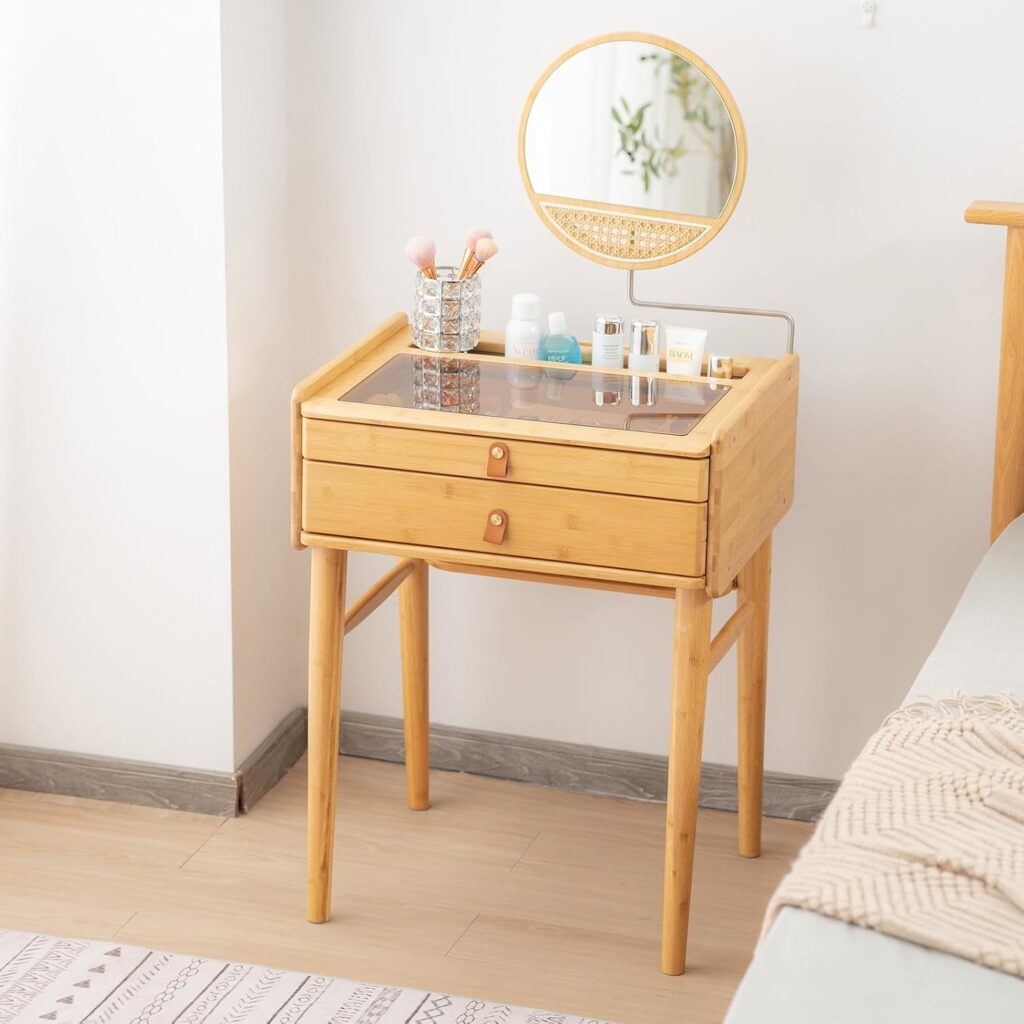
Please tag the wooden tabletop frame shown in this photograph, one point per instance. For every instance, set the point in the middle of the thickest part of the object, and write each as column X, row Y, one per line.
column 749, row 437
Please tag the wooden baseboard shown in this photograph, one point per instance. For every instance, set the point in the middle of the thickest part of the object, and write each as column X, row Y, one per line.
column 268, row 763
column 576, row 767
column 123, row 781
column 569, row 766
column 158, row 785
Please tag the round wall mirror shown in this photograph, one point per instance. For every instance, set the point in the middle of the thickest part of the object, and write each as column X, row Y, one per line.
column 632, row 150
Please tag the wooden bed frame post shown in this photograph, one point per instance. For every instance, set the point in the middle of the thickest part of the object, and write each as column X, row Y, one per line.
column 1008, row 479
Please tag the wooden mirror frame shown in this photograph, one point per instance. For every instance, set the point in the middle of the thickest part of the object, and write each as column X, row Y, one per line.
column 569, row 219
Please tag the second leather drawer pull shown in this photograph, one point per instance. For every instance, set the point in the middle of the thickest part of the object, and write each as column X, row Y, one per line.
column 497, row 524
column 497, row 459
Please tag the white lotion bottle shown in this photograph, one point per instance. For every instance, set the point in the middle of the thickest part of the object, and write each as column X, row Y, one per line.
column 522, row 334
column 607, row 346
column 684, row 350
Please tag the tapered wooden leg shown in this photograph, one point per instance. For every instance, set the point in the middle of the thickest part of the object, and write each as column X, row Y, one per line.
column 412, row 612
column 690, row 650
column 326, row 629
column 754, row 585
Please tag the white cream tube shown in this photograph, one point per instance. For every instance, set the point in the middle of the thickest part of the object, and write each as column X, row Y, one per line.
column 684, row 350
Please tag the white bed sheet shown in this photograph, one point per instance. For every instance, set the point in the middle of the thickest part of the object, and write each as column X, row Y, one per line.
column 812, row 968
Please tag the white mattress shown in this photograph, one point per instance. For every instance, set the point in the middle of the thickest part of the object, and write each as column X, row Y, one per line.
column 812, row 968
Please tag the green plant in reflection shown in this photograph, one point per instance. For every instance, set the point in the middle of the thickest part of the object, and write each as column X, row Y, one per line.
column 648, row 154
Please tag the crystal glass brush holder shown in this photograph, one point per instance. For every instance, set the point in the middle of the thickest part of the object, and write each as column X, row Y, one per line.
column 446, row 312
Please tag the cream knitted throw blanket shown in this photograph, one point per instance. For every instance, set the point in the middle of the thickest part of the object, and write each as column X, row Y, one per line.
column 925, row 837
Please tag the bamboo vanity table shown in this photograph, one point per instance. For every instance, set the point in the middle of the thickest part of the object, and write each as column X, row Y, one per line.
column 470, row 462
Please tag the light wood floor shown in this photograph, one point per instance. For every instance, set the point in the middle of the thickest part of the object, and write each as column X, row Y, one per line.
column 501, row 890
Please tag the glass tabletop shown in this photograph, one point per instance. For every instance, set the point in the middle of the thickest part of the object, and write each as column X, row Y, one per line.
column 556, row 393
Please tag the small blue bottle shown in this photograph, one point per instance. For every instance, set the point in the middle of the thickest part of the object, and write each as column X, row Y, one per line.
column 558, row 345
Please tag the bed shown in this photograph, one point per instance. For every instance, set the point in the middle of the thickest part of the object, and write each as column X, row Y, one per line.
column 812, row 968
column 815, row 968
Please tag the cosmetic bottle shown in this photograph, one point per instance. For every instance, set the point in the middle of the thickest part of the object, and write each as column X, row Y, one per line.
column 608, row 342
column 522, row 335
column 643, row 346
column 684, row 350
column 720, row 367
column 558, row 345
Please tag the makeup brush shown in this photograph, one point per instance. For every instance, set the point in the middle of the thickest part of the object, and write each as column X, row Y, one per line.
column 482, row 252
column 421, row 252
column 472, row 237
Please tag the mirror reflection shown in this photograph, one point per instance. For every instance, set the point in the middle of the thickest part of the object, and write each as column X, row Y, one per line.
column 631, row 123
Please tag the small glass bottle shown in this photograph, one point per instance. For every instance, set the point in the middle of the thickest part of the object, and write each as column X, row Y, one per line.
column 643, row 346
column 558, row 346
column 720, row 367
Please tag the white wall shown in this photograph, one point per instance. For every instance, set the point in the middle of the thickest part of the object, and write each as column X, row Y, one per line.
column 268, row 578
column 865, row 147
column 8, row 418
column 116, row 615
column 126, row 344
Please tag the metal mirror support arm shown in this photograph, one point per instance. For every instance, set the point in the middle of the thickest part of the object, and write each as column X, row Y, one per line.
column 777, row 313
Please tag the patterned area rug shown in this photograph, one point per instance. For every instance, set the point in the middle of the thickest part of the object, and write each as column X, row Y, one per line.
column 73, row 982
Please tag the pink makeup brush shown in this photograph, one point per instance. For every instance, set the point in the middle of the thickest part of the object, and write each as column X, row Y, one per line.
column 482, row 252
column 472, row 237
column 421, row 252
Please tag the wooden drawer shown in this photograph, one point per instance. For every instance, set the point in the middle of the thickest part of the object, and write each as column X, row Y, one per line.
column 529, row 462
column 584, row 528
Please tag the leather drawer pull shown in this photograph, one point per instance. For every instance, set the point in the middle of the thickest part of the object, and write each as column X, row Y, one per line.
column 497, row 524
column 497, row 459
